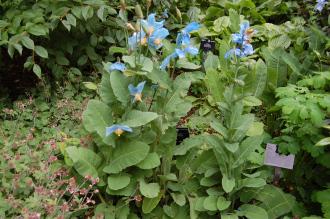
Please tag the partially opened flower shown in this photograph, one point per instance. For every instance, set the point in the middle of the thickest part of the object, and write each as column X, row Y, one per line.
column 118, row 66
column 136, row 92
column 320, row 5
column 117, row 129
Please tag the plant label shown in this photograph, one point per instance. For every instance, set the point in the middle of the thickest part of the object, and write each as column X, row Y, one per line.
column 182, row 133
column 272, row 158
column 207, row 45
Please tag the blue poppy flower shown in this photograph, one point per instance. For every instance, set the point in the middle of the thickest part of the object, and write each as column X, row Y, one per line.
column 117, row 66
column 117, row 129
column 320, row 5
column 150, row 25
column 244, row 35
column 136, row 92
column 155, row 39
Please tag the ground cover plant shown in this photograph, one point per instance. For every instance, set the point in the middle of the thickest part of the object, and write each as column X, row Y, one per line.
column 163, row 109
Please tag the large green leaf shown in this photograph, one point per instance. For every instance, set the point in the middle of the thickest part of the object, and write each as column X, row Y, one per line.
column 151, row 161
column 97, row 117
column 106, row 92
column 126, row 155
column 119, row 84
column 160, row 78
column 273, row 200
column 253, row 212
column 149, row 190
column 150, row 203
column 249, row 145
column 210, row 203
column 261, row 78
column 116, row 182
column 277, row 69
column 214, row 84
column 228, row 184
column 85, row 161
column 137, row 118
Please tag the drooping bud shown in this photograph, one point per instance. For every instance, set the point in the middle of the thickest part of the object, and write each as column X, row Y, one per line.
column 178, row 13
column 149, row 3
column 123, row 4
column 138, row 11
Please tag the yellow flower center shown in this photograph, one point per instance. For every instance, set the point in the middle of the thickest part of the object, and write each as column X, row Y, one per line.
column 151, row 30
column 118, row 132
column 249, row 31
column 138, row 97
column 158, row 42
column 144, row 41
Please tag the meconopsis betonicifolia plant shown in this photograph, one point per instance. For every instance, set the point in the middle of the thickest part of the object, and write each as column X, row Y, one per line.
column 243, row 41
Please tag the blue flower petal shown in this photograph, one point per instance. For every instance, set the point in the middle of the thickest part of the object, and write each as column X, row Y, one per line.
column 115, row 127
column 247, row 49
column 117, row 66
column 167, row 60
column 237, row 38
column 155, row 40
column 191, row 50
column 320, row 5
column 191, row 27
column 180, row 53
column 243, row 27
column 136, row 91
column 231, row 52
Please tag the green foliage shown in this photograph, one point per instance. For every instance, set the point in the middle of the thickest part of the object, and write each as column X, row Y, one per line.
column 83, row 29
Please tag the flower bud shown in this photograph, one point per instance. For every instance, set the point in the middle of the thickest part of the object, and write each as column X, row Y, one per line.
column 138, row 11
column 178, row 13
column 149, row 3
column 123, row 4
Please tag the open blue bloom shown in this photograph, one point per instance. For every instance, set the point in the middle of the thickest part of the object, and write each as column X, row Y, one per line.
column 244, row 35
column 155, row 39
column 117, row 66
column 136, row 92
column 117, row 129
column 183, row 45
column 150, row 25
column 320, row 5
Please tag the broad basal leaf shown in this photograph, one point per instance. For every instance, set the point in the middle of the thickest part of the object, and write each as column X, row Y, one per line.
column 119, row 84
column 116, row 182
column 126, row 155
column 137, row 118
column 85, row 161
column 149, row 190
column 253, row 212
column 97, row 117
